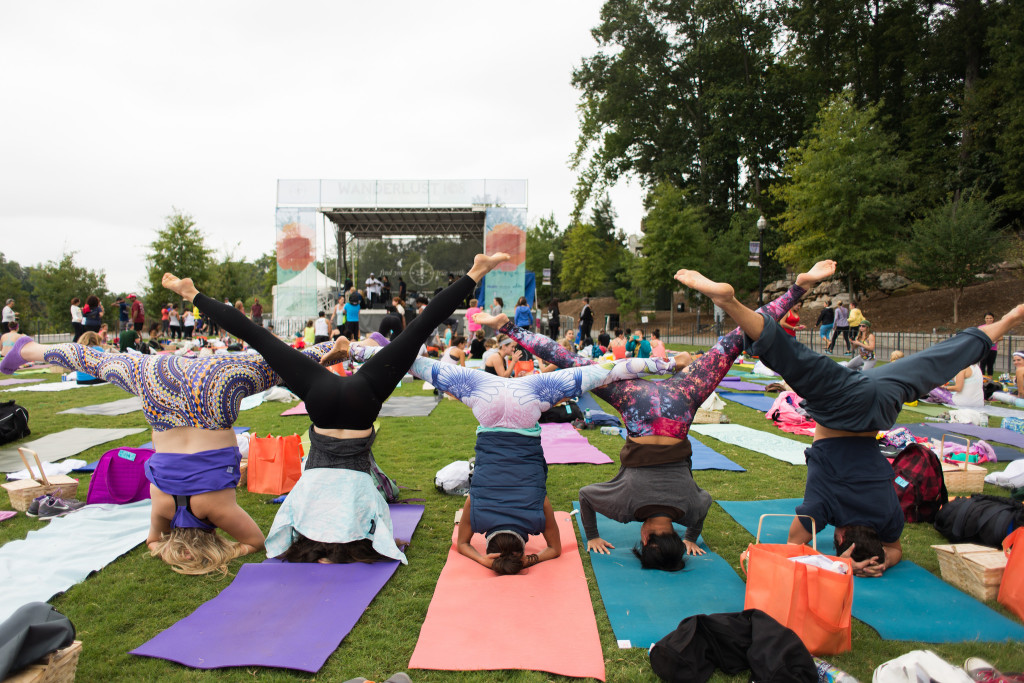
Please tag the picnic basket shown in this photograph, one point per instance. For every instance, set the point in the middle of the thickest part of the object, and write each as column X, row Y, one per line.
column 56, row 667
column 962, row 477
column 24, row 491
column 974, row 569
column 707, row 417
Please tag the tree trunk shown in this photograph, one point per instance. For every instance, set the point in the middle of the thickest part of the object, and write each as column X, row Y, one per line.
column 957, row 293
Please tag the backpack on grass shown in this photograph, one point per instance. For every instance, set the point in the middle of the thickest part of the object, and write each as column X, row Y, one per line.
column 982, row 519
column 919, row 484
column 13, row 422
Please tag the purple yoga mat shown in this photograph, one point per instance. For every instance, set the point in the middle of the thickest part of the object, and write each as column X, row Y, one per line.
column 737, row 384
column 12, row 381
column 563, row 445
column 278, row 614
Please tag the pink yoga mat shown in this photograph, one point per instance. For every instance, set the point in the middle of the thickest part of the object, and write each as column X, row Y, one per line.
column 539, row 620
column 563, row 445
column 297, row 410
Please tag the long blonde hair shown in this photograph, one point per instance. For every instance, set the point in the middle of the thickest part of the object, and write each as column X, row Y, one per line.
column 196, row 551
column 90, row 339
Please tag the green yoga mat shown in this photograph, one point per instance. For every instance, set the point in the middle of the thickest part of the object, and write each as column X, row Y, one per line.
column 906, row 603
column 645, row 605
column 929, row 409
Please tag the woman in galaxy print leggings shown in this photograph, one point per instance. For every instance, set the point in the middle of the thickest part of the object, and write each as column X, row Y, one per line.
column 191, row 404
column 655, row 484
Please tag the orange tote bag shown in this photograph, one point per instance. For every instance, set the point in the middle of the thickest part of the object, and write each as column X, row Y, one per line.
column 523, row 367
column 1011, row 589
column 275, row 463
column 815, row 603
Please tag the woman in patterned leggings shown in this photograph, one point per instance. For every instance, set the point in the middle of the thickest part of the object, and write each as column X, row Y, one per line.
column 655, row 483
column 507, row 498
column 191, row 404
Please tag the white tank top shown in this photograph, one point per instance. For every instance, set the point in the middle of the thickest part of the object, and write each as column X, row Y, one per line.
column 448, row 358
column 973, row 394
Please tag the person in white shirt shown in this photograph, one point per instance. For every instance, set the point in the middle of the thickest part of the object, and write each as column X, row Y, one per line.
column 373, row 289
column 8, row 316
column 321, row 330
column 399, row 308
column 77, row 319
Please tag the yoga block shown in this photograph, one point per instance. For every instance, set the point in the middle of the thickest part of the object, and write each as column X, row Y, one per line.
column 974, row 569
column 1014, row 424
column 56, row 667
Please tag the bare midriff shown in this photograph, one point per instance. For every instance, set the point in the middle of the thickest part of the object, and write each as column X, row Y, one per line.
column 821, row 432
column 193, row 440
column 656, row 440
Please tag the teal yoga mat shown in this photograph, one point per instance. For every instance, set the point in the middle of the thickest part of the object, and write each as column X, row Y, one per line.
column 645, row 605
column 907, row 603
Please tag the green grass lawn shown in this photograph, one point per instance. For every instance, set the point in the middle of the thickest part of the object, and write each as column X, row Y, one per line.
column 136, row 597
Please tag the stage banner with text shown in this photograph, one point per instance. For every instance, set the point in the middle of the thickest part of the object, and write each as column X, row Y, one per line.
column 505, row 230
column 295, row 295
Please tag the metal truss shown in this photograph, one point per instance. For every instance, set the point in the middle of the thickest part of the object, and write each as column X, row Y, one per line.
column 393, row 222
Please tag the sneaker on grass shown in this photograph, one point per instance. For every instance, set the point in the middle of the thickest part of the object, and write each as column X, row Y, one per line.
column 33, row 507
column 58, row 507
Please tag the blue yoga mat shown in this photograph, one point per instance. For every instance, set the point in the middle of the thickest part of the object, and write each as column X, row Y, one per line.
column 936, row 430
column 588, row 404
column 907, row 603
column 755, row 401
column 704, row 458
column 645, row 605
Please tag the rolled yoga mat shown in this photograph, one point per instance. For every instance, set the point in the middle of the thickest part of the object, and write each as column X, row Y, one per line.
column 935, row 430
column 60, row 445
column 122, row 407
column 645, row 605
column 755, row 401
column 55, row 557
column 906, row 603
column 563, row 445
column 539, row 620
column 278, row 614
column 772, row 445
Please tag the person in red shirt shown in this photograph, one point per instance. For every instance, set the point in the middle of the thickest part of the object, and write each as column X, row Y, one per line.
column 791, row 323
column 138, row 313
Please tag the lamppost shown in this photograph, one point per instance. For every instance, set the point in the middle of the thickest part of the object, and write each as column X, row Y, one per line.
column 761, row 225
column 551, row 261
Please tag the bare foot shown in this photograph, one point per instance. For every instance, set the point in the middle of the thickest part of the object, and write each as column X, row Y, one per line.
column 494, row 321
column 184, row 288
column 718, row 292
column 483, row 264
column 682, row 359
column 338, row 353
column 819, row 271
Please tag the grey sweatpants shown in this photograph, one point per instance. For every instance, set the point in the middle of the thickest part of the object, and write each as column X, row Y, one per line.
column 840, row 398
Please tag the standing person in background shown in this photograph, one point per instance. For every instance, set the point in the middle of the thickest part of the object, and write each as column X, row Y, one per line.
column 398, row 302
column 188, row 321
column 165, row 320
column 174, row 321
column 854, row 320
column 352, row 317
column 76, row 319
column 471, row 325
column 138, row 313
column 256, row 311
column 402, row 289
column 372, row 290
column 842, row 327
column 988, row 364
column 825, row 320
column 497, row 306
column 123, row 321
column 93, row 313
column 385, row 289
column 339, row 315
column 321, row 331
column 7, row 317
column 586, row 322
column 523, row 316
column 554, row 318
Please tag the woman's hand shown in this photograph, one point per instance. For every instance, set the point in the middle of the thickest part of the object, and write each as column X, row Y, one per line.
column 693, row 549
column 599, row 545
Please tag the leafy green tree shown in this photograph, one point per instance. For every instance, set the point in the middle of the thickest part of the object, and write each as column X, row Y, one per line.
column 959, row 235
column 55, row 283
column 1002, row 102
column 583, row 261
column 15, row 284
column 542, row 239
column 179, row 248
column 842, row 201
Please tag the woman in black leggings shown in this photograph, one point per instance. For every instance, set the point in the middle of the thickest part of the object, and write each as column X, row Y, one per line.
column 340, row 466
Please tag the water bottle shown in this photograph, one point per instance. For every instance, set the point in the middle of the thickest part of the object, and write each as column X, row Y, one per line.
column 831, row 674
column 610, row 431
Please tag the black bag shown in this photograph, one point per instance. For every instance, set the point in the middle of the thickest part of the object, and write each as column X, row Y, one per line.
column 33, row 631
column 982, row 519
column 13, row 422
column 563, row 412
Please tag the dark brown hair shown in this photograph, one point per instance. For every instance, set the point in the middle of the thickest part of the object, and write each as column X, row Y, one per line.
column 511, row 560
column 308, row 550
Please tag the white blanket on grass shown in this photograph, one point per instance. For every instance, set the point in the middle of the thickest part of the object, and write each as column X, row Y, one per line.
column 64, row 552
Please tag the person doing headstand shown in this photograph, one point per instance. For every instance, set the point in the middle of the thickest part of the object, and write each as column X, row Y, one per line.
column 655, row 484
column 191, row 405
column 336, row 512
column 508, row 492
column 849, row 482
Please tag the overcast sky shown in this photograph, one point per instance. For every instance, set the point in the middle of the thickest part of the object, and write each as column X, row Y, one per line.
column 115, row 112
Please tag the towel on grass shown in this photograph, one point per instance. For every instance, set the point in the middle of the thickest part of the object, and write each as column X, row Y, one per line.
column 772, row 445
column 64, row 444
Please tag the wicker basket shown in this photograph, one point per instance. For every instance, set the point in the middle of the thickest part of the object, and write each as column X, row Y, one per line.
column 56, row 667
column 707, row 417
column 24, row 491
column 961, row 477
column 974, row 569
column 243, row 473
